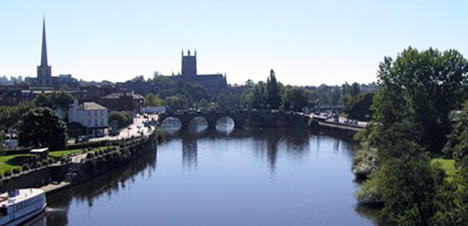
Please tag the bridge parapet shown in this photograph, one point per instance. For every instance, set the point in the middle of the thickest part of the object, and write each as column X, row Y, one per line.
column 242, row 119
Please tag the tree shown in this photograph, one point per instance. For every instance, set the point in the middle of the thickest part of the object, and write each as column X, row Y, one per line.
column 405, row 180
column 61, row 100
column 9, row 115
column 43, row 100
column 2, row 146
column 422, row 86
column 358, row 107
column 416, row 92
column 273, row 91
column 41, row 127
column 295, row 98
column 177, row 102
column 152, row 100
column 355, row 89
column 259, row 95
column 54, row 100
column 123, row 118
column 408, row 186
column 454, row 209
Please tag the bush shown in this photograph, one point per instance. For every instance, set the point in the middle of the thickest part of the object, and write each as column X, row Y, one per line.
column 25, row 167
column 90, row 155
column 16, row 171
column 37, row 164
column 45, row 162
column 7, row 173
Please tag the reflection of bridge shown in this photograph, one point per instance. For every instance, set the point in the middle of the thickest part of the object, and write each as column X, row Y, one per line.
column 241, row 119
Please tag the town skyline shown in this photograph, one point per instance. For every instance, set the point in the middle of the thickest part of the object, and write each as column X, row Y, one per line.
column 118, row 47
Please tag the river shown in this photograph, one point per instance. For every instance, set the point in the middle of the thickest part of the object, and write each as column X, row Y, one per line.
column 238, row 177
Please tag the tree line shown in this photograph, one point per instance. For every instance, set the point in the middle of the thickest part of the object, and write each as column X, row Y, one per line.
column 269, row 94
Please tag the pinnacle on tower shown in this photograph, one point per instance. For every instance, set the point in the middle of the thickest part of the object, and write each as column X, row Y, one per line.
column 44, row 45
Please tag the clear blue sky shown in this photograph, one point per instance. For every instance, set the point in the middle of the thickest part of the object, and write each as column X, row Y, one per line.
column 305, row 42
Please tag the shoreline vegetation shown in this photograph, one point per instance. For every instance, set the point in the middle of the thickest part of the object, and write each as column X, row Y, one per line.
column 412, row 159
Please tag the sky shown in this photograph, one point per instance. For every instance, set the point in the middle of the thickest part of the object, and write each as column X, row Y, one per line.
column 306, row 42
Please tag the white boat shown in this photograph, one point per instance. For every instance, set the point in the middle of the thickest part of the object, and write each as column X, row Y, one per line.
column 20, row 205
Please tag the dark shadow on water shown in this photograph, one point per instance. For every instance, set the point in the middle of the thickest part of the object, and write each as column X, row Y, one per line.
column 113, row 181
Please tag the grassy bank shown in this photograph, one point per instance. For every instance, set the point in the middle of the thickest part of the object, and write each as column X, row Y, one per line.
column 16, row 162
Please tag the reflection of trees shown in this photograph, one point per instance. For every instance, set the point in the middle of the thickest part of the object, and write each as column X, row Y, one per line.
column 267, row 142
column 189, row 151
column 113, row 181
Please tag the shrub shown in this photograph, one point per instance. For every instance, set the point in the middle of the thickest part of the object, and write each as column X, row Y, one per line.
column 25, row 167
column 45, row 162
column 37, row 164
column 16, row 171
column 90, row 155
column 7, row 173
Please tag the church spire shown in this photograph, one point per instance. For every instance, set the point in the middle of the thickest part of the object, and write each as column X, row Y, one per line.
column 44, row 45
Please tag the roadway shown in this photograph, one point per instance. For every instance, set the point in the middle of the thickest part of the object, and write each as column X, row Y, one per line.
column 135, row 129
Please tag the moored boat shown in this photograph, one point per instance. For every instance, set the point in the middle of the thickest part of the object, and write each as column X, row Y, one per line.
column 20, row 205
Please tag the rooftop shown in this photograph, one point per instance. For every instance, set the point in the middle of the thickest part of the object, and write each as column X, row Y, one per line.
column 120, row 94
column 87, row 106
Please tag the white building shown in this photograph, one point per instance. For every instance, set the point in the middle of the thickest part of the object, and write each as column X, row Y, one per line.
column 153, row 110
column 90, row 115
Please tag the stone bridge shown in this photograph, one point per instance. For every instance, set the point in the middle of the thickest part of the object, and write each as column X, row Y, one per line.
column 243, row 119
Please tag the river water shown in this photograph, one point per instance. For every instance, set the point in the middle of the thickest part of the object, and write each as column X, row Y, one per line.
column 238, row 177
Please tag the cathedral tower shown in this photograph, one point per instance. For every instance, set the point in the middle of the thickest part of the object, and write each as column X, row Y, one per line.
column 189, row 64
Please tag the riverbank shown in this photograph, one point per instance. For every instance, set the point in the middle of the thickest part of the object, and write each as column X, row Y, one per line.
column 82, row 167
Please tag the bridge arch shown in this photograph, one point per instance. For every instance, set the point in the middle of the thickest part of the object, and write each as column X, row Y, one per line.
column 171, row 124
column 198, row 124
column 225, row 123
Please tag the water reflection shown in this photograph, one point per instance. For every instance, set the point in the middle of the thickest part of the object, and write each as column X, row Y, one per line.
column 280, row 176
column 189, row 151
column 265, row 141
column 116, row 180
column 198, row 125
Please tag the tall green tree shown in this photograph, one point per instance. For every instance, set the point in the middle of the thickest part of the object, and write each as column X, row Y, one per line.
column 259, row 95
column 355, row 89
column 41, row 127
column 273, row 91
column 423, row 87
column 295, row 98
